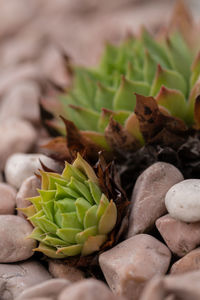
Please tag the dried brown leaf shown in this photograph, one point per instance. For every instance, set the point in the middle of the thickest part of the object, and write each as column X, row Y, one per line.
column 149, row 116
column 77, row 143
column 118, row 138
column 156, row 126
column 58, row 150
column 167, row 138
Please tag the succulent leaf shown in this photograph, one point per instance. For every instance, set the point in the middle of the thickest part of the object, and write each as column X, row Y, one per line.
column 70, row 212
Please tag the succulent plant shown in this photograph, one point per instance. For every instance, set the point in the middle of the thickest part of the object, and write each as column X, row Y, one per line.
column 71, row 215
column 102, row 100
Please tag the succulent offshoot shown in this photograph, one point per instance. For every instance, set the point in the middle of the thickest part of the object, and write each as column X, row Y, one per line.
column 71, row 215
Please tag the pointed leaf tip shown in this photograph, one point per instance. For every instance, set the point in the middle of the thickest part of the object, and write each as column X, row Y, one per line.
column 84, row 167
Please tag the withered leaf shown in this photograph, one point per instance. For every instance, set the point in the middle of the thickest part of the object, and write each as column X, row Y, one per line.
column 68, row 64
column 156, row 126
column 167, row 138
column 45, row 116
column 119, row 138
column 58, row 150
column 148, row 115
column 76, row 142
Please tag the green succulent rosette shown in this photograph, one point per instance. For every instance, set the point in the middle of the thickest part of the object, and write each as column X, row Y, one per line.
column 167, row 69
column 71, row 215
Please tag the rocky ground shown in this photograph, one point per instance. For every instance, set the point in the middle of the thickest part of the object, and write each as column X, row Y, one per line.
column 33, row 38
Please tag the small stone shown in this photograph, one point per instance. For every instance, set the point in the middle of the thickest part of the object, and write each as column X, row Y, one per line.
column 52, row 65
column 7, row 199
column 173, row 287
column 183, row 286
column 13, row 242
column 50, row 288
column 190, row 262
column 14, row 74
column 154, row 290
column 22, row 102
column 41, row 298
column 148, row 205
column 15, row 136
column 28, row 189
column 61, row 270
column 19, row 166
column 183, row 200
column 180, row 237
column 87, row 289
column 15, row 278
column 129, row 265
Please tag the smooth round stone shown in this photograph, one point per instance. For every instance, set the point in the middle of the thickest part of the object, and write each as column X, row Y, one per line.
column 183, row 200
column 14, row 244
column 7, row 199
column 16, row 136
column 18, row 277
column 20, row 166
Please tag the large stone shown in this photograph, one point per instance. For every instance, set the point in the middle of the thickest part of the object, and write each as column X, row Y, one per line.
column 28, row 189
column 7, row 199
column 149, row 195
column 20, row 166
column 88, row 289
column 129, row 265
column 50, row 288
column 15, row 136
column 22, row 102
column 58, row 269
column 190, row 262
column 180, row 237
column 15, row 278
column 182, row 200
column 13, row 242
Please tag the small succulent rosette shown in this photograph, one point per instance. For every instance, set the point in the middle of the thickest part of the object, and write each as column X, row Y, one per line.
column 71, row 215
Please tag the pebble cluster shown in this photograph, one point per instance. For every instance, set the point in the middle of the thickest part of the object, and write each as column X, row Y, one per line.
column 161, row 198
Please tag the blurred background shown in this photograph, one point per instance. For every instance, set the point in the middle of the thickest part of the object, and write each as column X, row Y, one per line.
column 35, row 29
column 34, row 34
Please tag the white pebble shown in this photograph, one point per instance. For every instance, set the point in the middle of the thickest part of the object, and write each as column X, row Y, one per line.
column 183, row 200
column 20, row 166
